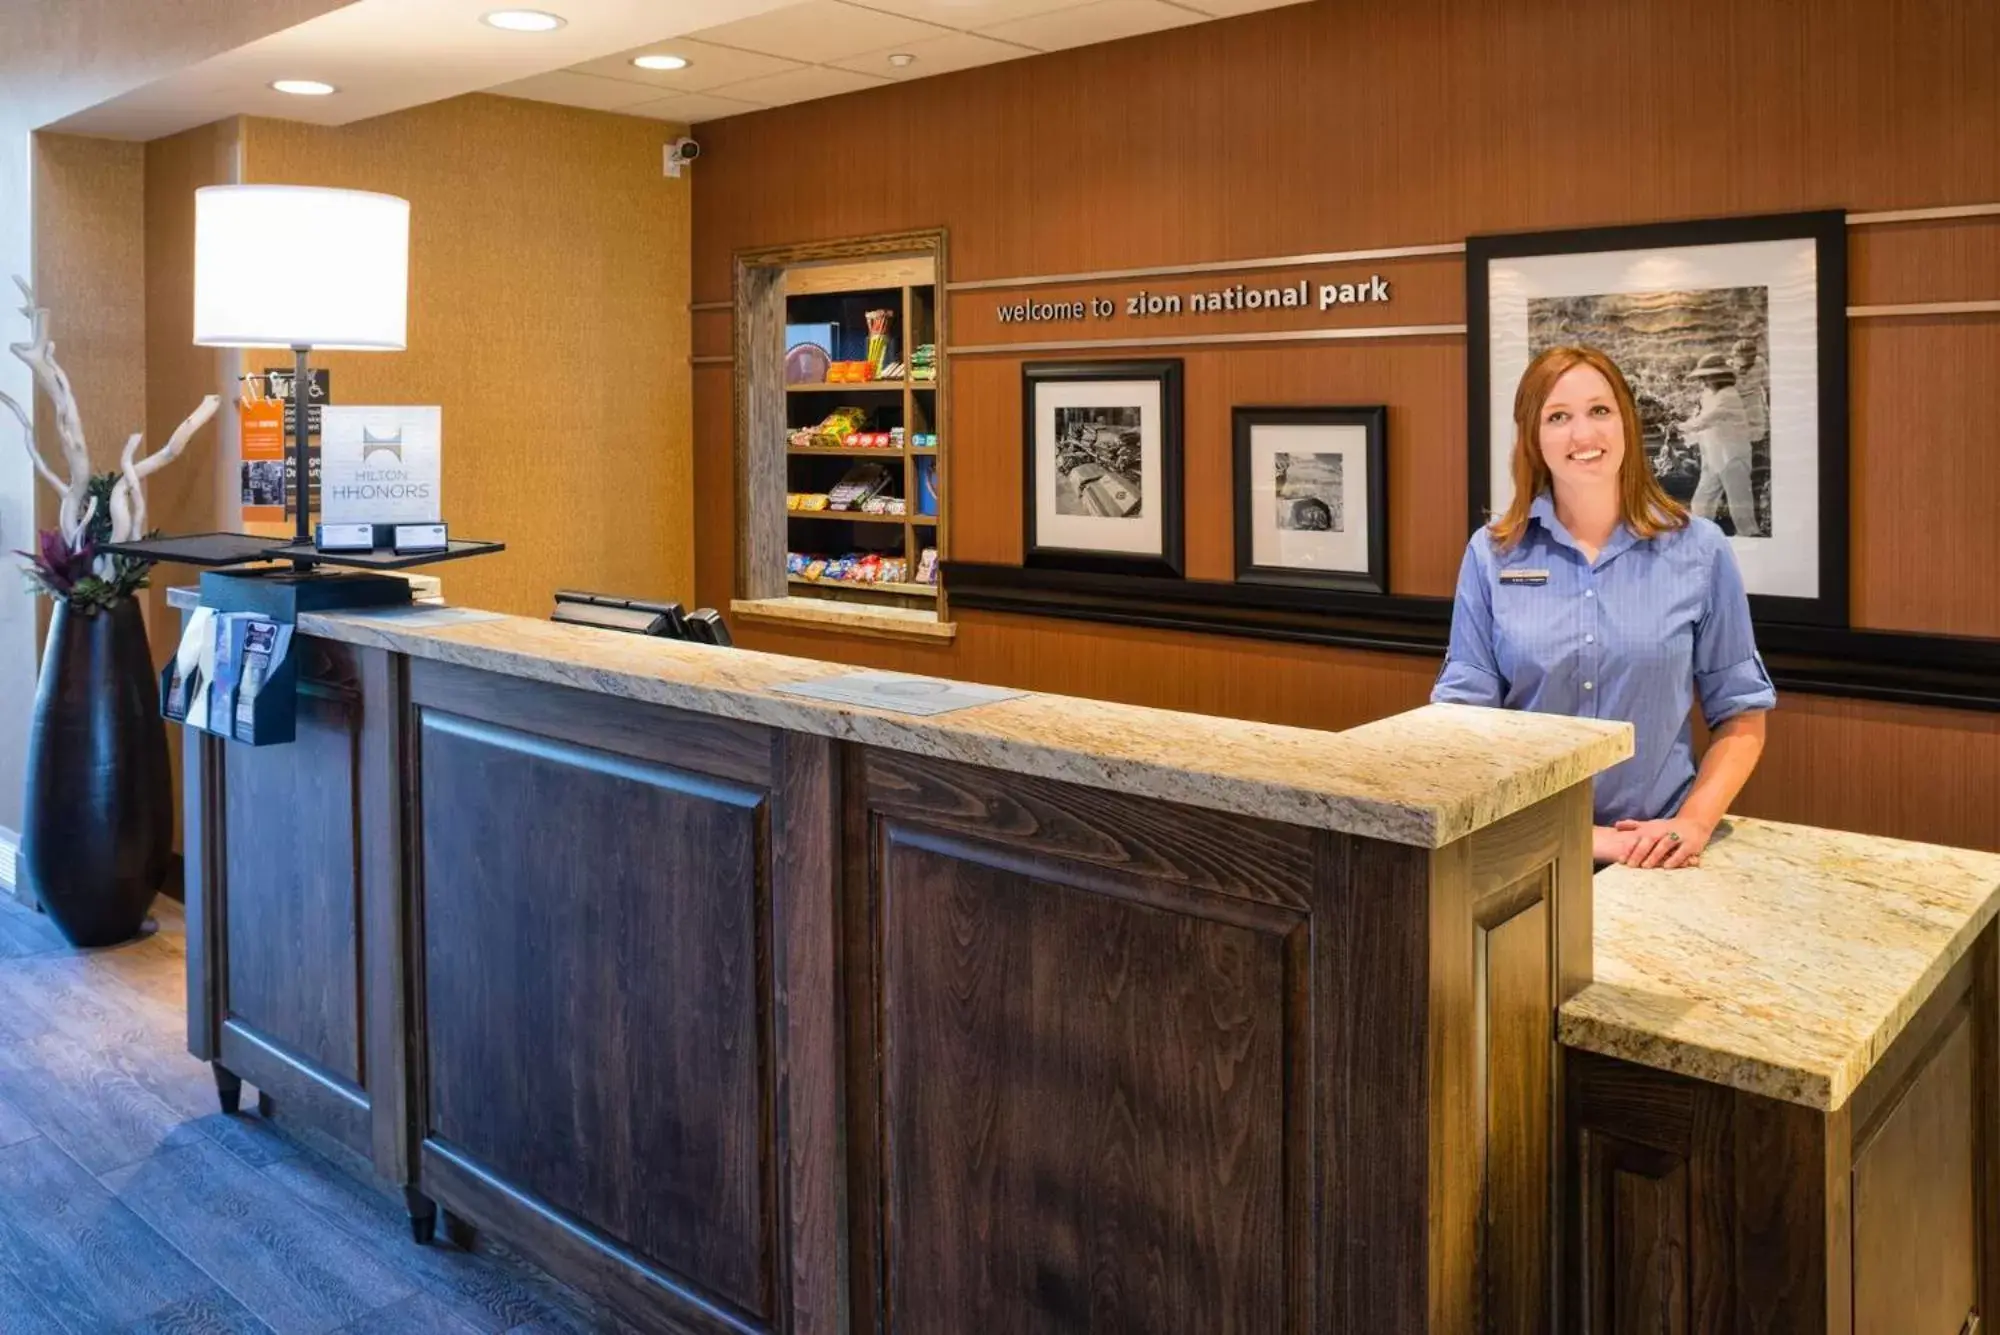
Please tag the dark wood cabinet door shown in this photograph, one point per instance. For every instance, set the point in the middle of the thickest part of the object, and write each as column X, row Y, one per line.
column 1916, row 1230
column 593, row 1030
column 1636, row 1238
column 1093, row 1113
column 291, row 899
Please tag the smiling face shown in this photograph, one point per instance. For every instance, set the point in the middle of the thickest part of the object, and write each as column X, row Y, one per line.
column 1581, row 431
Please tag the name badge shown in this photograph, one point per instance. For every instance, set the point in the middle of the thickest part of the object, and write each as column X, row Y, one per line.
column 1518, row 575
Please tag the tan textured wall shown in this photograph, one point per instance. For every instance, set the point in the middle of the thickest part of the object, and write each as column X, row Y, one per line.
column 90, row 271
column 548, row 315
column 182, row 497
column 56, row 58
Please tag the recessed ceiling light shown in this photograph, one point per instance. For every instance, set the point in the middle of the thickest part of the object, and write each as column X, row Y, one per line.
column 660, row 62
column 901, row 58
column 523, row 20
column 303, row 87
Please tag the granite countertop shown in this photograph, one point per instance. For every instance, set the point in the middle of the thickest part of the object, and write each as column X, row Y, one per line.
column 1424, row 778
column 1786, row 964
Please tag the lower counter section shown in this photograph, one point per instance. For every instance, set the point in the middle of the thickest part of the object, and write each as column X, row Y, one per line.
column 1839, row 1170
column 1701, row 1208
column 742, row 1029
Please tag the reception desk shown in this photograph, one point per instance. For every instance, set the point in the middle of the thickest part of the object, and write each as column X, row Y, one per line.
column 1782, row 1093
column 747, row 1012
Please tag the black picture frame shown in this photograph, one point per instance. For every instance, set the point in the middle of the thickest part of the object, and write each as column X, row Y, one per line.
column 1827, row 230
column 1374, row 419
column 1168, row 562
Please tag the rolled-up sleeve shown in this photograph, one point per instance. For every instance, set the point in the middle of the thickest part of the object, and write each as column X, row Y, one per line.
column 1729, row 674
column 1471, row 675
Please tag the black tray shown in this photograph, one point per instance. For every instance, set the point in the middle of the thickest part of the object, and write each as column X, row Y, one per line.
column 232, row 549
column 385, row 558
column 197, row 549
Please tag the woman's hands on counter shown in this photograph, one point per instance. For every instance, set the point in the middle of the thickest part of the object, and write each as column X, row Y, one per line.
column 1608, row 845
column 1677, row 842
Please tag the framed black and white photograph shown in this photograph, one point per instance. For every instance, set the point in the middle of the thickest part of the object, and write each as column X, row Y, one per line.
column 1102, row 466
column 1733, row 334
column 1312, row 497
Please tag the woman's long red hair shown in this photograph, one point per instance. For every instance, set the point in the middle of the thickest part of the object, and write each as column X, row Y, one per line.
column 1643, row 504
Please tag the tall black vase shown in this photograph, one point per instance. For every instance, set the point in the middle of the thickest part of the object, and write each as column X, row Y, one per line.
column 98, row 825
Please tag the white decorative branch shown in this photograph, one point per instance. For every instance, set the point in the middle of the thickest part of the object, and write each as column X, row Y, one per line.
column 128, row 495
column 127, row 504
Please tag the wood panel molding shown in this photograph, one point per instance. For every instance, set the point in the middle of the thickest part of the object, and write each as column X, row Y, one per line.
column 1949, row 672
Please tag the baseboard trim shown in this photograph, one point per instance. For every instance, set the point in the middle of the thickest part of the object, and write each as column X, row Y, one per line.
column 10, row 866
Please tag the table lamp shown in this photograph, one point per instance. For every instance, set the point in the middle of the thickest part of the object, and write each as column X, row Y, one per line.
column 300, row 267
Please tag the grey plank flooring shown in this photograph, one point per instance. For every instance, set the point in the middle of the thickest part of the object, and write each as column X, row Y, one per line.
column 130, row 1205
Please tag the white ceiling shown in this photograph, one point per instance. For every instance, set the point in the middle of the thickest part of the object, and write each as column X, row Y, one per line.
column 386, row 55
column 819, row 48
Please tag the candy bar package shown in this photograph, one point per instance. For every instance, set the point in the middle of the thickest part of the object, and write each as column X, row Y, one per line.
column 927, row 566
column 857, row 485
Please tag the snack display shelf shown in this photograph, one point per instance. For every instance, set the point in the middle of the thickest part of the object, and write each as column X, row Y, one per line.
column 879, row 586
column 855, row 387
column 856, row 516
column 852, row 452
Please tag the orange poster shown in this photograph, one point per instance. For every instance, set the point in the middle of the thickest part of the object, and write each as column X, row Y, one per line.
column 263, row 423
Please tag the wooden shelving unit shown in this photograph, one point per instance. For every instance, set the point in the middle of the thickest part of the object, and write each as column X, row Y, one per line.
column 836, row 292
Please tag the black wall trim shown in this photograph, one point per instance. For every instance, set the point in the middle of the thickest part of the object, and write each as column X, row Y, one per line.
column 1946, row 671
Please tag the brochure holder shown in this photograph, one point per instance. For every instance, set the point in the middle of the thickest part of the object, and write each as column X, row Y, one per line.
column 235, row 673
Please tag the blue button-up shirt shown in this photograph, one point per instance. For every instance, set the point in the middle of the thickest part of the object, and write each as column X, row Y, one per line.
column 1636, row 635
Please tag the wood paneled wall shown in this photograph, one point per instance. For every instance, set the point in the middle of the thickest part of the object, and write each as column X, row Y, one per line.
column 1350, row 124
column 548, row 315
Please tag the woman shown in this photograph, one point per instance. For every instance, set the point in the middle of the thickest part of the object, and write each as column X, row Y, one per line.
column 1597, row 595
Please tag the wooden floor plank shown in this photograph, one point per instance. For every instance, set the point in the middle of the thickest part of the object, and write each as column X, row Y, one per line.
column 89, row 1258
column 26, row 1313
column 210, row 1312
column 419, row 1314
column 94, row 1066
column 97, row 1114
column 14, row 1125
column 487, row 1295
column 127, row 1037
column 26, row 932
column 279, row 1259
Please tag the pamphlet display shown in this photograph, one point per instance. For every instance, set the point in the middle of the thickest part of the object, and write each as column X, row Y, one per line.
column 233, row 676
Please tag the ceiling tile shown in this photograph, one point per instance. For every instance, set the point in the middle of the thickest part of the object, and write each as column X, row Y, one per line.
column 1225, row 8
column 936, row 55
column 1104, row 21
column 708, row 67
column 801, row 85
column 578, row 90
column 819, row 30
column 971, row 14
column 692, row 108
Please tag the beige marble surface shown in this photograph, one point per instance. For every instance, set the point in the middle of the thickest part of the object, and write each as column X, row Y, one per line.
column 1425, row 778
column 1786, row 964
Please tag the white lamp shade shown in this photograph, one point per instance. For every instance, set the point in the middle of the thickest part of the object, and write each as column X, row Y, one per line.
column 300, row 266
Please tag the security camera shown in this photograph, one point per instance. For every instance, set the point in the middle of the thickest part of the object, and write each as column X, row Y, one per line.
column 680, row 152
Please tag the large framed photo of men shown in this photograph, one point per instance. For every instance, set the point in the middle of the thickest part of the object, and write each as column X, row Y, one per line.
column 1733, row 334
column 1101, row 467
